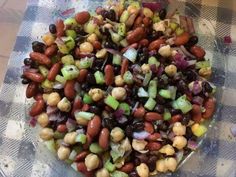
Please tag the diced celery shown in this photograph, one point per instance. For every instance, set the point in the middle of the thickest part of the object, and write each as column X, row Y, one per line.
column 119, row 174
column 121, row 29
column 173, row 26
column 85, row 115
column 183, row 104
column 95, row 148
column 199, row 129
column 125, row 107
column 116, row 59
column 112, row 102
column 109, row 166
column 87, row 99
column 71, row 33
column 50, row 144
column 156, row 18
column 115, row 37
column 60, row 79
column 81, row 138
column 72, row 155
column 63, row 48
column 172, row 90
column 131, row 54
column 128, row 77
column 70, row 72
column 179, row 31
column 165, row 93
column 68, row 60
column 142, row 92
column 150, row 104
column 47, row 84
column 167, row 115
column 43, row 70
column 58, row 135
column 70, row 21
column 124, row 43
column 152, row 88
column 124, row 16
column 147, row 78
column 74, row 166
column 202, row 64
column 85, row 63
column 69, row 42
column 115, row 155
column 99, row 77
column 153, row 61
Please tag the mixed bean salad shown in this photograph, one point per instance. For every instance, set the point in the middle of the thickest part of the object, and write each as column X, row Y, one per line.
column 121, row 92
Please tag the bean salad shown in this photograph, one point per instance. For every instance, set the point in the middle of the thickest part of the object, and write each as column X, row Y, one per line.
column 120, row 92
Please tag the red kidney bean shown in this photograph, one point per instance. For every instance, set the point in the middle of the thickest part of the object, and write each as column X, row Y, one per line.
column 139, row 113
column 154, row 137
column 153, row 116
column 36, row 77
column 196, row 113
column 198, row 52
column 209, row 106
column 32, row 89
column 94, row 126
column 55, row 69
column 89, row 140
column 82, row 75
column 176, row 118
column 62, row 128
column 40, row 58
column 153, row 146
column 148, row 127
column 109, row 74
column 82, row 17
column 136, row 35
column 124, row 66
column 104, row 138
column 155, row 45
column 51, row 50
column 69, row 89
column 85, row 107
column 60, row 27
column 37, row 108
column 81, row 156
column 127, row 168
column 182, row 39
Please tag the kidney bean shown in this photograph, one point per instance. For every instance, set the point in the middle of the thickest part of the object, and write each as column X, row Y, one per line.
column 154, row 137
column 51, row 50
column 109, row 75
column 82, row 75
column 40, row 58
column 62, row 128
column 124, row 66
column 209, row 105
column 97, row 45
column 153, row 116
column 136, row 35
column 155, row 45
column 138, row 22
column 77, row 104
column 69, row 89
column 134, row 45
column 55, row 69
column 143, row 43
column 153, row 146
column 104, row 138
column 89, row 140
column 81, row 156
column 94, row 126
column 38, row 96
column 81, row 167
column 131, row 20
column 36, row 77
column 127, row 168
column 148, row 127
column 176, row 118
column 85, row 107
column 196, row 113
column 182, row 39
column 147, row 21
column 37, row 108
column 32, row 89
column 139, row 113
column 60, row 27
column 198, row 51
column 82, row 17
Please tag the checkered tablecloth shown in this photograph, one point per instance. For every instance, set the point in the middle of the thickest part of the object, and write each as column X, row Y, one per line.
column 23, row 155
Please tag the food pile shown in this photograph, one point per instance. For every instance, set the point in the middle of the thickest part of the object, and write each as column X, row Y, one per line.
column 123, row 92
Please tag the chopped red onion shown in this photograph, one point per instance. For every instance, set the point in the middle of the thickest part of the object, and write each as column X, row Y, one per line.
column 197, row 88
column 80, row 131
column 113, row 51
column 233, row 130
column 227, row 40
column 118, row 113
column 179, row 155
column 136, row 68
column 71, row 124
column 153, row 68
column 122, row 119
column 171, row 135
column 58, row 85
column 140, row 135
column 192, row 145
column 152, row 52
column 186, row 52
column 180, row 61
column 53, row 117
column 160, row 70
column 197, row 100
column 32, row 121
column 68, row 12
column 155, row 6
column 51, row 110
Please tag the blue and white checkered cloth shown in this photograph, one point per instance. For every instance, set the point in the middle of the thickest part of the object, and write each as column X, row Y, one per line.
column 23, row 155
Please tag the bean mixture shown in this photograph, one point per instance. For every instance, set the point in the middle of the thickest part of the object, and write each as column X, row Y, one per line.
column 123, row 92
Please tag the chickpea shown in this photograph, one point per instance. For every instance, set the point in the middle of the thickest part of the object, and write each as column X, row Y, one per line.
column 142, row 170
column 91, row 162
column 171, row 163
column 82, row 121
column 139, row 145
column 173, row 53
column 119, row 93
column 63, row 153
column 167, row 149
column 69, row 138
column 147, row 12
column 96, row 94
column 117, row 134
column 48, row 39
column 43, row 119
column 171, row 70
column 64, row 105
column 179, row 129
column 165, row 51
column 45, row 97
column 108, row 26
column 46, row 134
column 160, row 26
column 120, row 162
column 145, row 68
column 53, row 99
column 86, row 47
column 119, row 81
column 92, row 38
column 125, row 144
column 102, row 173
column 205, row 72
column 179, row 142
column 101, row 53
column 161, row 166
column 198, row 83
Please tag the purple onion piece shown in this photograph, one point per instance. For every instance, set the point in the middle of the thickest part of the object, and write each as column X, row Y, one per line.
column 118, row 113
column 160, row 70
column 136, row 68
column 32, row 121
column 122, row 119
column 80, row 131
column 53, row 117
column 192, row 145
column 163, row 134
column 113, row 51
column 153, row 52
column 140, row 135
column 227, row 40
column 154, row 68
column 180, row 61
column 171, row 135
column 196, row 87
column 51, row 110
column 197, row 100
column 233, row 130
column 71, row 124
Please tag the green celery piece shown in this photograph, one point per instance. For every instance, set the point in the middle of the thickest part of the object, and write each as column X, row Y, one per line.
column 112, row 102
column 50, row 144
column 60, row 79
column 124, row 43
column 173, row 26
column 70, row 72
column 202, row 64
column 172, row 90
column 147, row 78
column 150, row 104
column 99, row 77
column 109, row 166
column 68, row 60
column 81, row 138
column 70, row 21
column 72, row 155
column 71, row 33
column 69, row 42
column 87, row 99
column 43, row 70
column 142, row 92
column 47, row 84
column 183, row 104
column 85, row 63
column 156, row 18
column 85, row 115
column 179, row 31
column 124, row 16
column 128, row 77
column 116, row 59
column 74, row 166
column 115, row 155
column 63, row 48
column 121, row 29
column 95, row 148
column 131, row 54
column 58, row 135
column 165, row 93
column 153, row 61
column 125, row 107
column 167, row 115
column 152, row 88
column 119, row 174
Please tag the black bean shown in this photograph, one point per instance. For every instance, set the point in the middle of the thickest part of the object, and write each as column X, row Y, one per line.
column 111, row 15
column 189, row 133
column 129, row 131
column 91, row 79
column 110, row 44
column 133, row 174
column 162, row 14
column 100, row 104
column 53, row 28
column 95, row 110
column 186, row 119
column 152, row 163
column 122, row 122
column 85, row 87
column 163, row 126
column 192, row 41
column 109, row 123
column 80, row 30
column 79, row 39
column 160, row 99
column 191, row 75
column 25, row 81
column 182, row 87
column 142, row 157
column 28, row 61
column 138, row 126
column 166, row 141
column 159, row 109
column 38, row 46
column 174, row 111
column 117, row 69
column 155, row 35
column 206, row 87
